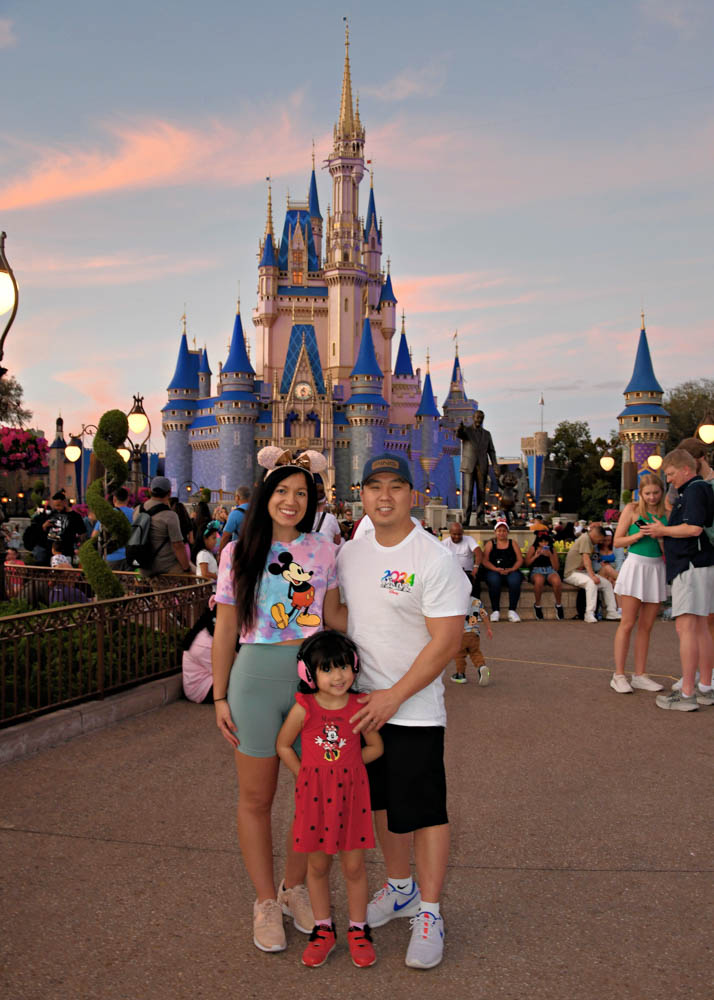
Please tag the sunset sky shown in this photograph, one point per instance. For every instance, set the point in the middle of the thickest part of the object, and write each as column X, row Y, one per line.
column 544, row 172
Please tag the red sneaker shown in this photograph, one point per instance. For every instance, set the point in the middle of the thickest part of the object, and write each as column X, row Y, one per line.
column 359, row 941
column 320, row 943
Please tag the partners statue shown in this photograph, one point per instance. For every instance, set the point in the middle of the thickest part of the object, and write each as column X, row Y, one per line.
column 476, row 452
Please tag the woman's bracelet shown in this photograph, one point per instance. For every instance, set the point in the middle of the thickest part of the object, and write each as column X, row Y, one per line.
column 221, row 699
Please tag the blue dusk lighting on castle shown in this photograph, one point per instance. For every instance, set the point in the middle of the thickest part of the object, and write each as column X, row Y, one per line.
column 323, row 378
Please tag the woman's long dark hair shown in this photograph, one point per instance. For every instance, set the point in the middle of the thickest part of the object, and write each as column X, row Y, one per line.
column 256, row 535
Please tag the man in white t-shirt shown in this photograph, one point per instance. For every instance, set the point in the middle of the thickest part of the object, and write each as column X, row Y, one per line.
column 464, row 547
column 406, row 600
column 325, row 523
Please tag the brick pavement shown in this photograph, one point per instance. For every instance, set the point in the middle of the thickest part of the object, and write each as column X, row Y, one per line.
column 581, row 863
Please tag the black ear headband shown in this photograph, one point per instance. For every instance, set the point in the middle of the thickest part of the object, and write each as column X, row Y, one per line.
column 305, row 672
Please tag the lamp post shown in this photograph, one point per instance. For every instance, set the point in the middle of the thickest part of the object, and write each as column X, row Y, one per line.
column 705, row 429
column 9, row 297
column 138, row 423
column 654, row 461
column 75, row 452
column 607, row 463
column 191, row 489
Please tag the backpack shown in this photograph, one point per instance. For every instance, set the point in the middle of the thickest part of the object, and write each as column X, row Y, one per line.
column 709, row 528
column 138, row 547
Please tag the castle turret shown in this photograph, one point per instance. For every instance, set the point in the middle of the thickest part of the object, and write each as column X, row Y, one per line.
column 236, row 411
column 644, row 423
column 406, row 392
column 366, row 408
column 425, row 436
column 266, row 310
column 457, row 407
column 204, row 375
column 387, row 315
column 313, row 204
column 179, row 413
column 372, row 251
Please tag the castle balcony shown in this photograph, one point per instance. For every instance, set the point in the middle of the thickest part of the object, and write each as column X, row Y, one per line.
column 302, row 443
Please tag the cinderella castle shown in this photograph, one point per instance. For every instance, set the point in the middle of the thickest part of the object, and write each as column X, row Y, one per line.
column 324, row 375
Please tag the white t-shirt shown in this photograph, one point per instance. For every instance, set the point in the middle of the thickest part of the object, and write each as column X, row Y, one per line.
column 389, row 591
column 204, row 556
column 329, row 526
column 464, row 551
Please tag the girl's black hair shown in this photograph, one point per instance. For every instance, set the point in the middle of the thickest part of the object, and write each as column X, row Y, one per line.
column 200, row 544
column 328, row 647
column 250, row 553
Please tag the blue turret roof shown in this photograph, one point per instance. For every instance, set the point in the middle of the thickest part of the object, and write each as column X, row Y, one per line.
column 268, row 256
column 312, row 198
column 186, row 374
column 643, row 376
column 403, row 364
column 427, row 407
column 644, row 410
column 366, row 363
column 302, row 333
column 298, row 217
column 387, row 292
column 371, row 217
column 238, row 360
column 456, row 375
column 203, row 367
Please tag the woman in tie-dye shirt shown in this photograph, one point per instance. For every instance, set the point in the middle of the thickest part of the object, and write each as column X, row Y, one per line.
column 276, row 585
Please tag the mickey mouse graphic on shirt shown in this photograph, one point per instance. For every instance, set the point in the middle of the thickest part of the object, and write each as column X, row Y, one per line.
column 301, row 593
column 332, row 743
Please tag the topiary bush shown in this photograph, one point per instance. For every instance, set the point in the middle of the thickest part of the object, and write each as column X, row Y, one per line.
column 111, row 433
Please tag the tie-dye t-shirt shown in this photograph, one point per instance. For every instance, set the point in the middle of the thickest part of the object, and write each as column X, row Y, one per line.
column 297, row 576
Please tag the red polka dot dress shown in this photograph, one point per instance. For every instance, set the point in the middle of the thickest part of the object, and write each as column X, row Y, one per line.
column 332, row 807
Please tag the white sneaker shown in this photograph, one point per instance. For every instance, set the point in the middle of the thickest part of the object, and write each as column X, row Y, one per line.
column 590, row 619
column 495, row 616
column 426, row 947
column 613, row 616
column 389, row 903
column 484, row 676
column 645, row 683
column 677, row 686
column 620, row 684
column 513, row 617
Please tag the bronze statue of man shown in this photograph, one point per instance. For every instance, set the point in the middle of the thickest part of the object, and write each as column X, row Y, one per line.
column 476, row 453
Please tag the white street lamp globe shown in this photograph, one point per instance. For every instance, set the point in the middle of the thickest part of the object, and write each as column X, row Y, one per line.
column 138, row 422
column 124, row 453
column 706, row 433
column 72, row 452
column 7, row 293
column 654, row 462
column 607, row 462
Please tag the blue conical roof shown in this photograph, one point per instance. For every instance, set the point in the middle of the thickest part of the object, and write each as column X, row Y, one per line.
column 268, row 256
column 371, row 216
column 456, row 375
column 238, row 360
column 203, row 367
column 312, row 199
column 403, row 364
column 643, row 376
column 366, row 363
column 186, row 374
column 427, row 407
column 387, row 292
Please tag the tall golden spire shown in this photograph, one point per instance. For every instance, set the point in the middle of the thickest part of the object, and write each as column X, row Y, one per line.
column 643, row 320
column 402, row 321
column 427, row 360
column 269, row 221
column 345, row 125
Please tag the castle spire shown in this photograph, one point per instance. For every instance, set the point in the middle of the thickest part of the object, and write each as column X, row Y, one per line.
column 643, row 376
column 345, row 125
column 269, row 221
column 267, row 257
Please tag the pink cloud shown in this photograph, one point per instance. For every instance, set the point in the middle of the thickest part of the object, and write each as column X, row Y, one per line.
column 7, row 33
column 153, row 153
column 111, row 269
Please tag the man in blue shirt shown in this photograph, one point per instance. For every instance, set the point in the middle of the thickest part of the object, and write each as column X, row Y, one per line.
column 117, row 559
column 235, row 518
column 689, row 557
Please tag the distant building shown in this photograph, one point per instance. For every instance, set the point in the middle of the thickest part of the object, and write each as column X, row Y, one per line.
column 323, row 378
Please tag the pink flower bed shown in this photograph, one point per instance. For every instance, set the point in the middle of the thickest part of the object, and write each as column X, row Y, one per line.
column 21, row 449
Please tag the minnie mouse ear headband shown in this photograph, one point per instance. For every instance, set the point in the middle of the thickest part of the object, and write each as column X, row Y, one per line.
column 272, row 458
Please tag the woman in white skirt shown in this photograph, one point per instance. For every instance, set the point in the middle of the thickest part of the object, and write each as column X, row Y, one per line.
column 641, row 584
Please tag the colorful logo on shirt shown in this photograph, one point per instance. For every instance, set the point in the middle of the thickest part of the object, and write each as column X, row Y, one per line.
column 397, row 581
column 301, row 593
column 332, row 742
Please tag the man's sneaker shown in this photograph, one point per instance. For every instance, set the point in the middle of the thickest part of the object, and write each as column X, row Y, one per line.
column 644, row 683
column 513, row 616
column 560, row 612
column 389, row 903
column 677, row 701
column 677, row 686
column 322, row 941
column 484, row 676
column 619, row 683
column 495, row 616
column 268, row 932
column 359, row 941
column 705, row 698
column 426, row 947
column 590, row 619
column 613, row 616
column 538, row 612
column 458, row 678
column 295, row 903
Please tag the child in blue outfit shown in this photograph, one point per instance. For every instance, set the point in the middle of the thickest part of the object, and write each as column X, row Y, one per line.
column 471, row 645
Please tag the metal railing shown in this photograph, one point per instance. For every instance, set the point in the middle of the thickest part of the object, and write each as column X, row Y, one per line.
column 61, row 656
column 42, row 585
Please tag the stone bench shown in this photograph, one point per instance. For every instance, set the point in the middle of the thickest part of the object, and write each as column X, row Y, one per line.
column 527, row 600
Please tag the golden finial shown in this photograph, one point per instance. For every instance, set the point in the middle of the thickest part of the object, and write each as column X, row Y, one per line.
column 402, row 321
column 287, row 197
column 269, row 221
column 371, row 176
column 238, row 300
column 456, row 341
column 358, row 123
column 194, row 343
column 643, row 319
column 346, row 121
column 313, row 154
column 389, row 264
column 427, row 360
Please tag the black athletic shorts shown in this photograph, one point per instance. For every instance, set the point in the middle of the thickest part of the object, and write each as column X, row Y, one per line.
column 408, row 780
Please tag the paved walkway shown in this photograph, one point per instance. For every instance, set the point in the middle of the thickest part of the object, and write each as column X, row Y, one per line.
column 581, row 864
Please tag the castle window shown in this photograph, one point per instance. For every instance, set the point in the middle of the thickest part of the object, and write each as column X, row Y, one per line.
column 345, row 256
column 333, row 349
column 638, row 394
column 347, row 304
column 372, row 242
column 297, row 277
column 635, row 420
column 655, row 419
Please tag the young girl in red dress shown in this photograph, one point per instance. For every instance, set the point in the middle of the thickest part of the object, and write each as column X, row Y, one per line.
column 332, row 807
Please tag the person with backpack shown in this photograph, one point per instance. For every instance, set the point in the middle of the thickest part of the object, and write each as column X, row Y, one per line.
column 156, row 542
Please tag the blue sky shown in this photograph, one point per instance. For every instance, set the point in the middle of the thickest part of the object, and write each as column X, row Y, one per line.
column 544, row 171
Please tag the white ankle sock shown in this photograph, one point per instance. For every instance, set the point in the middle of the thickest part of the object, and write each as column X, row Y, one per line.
column 704, row 687
column 432, row 908
column 402, row 885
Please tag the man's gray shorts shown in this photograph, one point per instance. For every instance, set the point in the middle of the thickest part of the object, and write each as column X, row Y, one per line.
column 693, row 592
